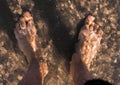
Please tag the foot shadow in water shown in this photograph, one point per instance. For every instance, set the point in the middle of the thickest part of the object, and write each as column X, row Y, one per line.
column 57, row 30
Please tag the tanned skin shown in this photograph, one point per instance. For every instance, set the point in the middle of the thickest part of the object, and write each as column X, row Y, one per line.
column 86, row 49
column 25, row 33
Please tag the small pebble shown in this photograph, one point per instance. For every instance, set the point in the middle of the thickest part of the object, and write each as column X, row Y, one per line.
column 19, row 77
column 115, row 61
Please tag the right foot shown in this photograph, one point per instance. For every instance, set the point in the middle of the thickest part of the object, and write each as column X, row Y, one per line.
column 89, row 42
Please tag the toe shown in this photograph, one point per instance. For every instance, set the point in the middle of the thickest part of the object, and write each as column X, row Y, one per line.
column 100, row 33
column 22, row 23
column 27, row 16
column 91, row 27
column 90, row 19
column 96, row 26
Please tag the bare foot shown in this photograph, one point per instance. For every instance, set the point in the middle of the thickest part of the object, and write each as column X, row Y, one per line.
column 89, row 40
column 25, row 33
column 86, row 49
column 31, row 30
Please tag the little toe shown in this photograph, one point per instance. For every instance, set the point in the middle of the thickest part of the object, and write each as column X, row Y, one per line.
column 96, row 27
column 100, row 33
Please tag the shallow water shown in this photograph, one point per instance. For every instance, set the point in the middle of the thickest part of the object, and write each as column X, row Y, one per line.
column 58, row 22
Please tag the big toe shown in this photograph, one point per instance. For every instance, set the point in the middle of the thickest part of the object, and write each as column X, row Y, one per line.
column 27, row 16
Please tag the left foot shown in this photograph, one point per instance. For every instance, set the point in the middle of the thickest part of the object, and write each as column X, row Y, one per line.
column 36, row 73
column 25, row 34
column 25, row 28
